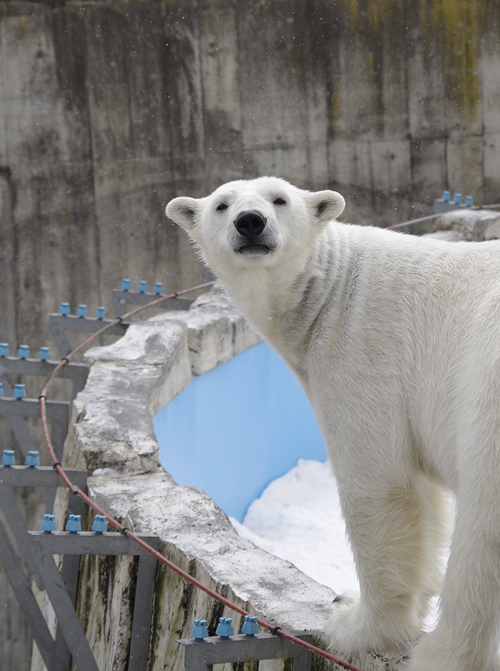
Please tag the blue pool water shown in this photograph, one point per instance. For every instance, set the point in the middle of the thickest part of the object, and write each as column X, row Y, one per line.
column 237, row 428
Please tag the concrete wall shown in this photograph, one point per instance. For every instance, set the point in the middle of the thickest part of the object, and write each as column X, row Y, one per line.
column 109, row 109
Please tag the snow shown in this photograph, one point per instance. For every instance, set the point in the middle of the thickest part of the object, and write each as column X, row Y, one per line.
column 298, row 518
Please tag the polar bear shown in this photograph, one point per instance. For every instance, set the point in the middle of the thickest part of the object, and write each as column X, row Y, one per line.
column 396, row 341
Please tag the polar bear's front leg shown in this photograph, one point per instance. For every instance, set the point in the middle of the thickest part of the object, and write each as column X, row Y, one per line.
column 467, row 634
column 395, row 536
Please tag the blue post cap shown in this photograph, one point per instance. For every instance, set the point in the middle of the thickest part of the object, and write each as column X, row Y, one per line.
column 446, row 196
column 23, row 352
column 81, row 310
column 44, row 353
column 126, row 286
column 49, row 524
column 100, row 313
column 250, row 626
column 1, row 389
column 142, row 286
column 4, row 349
column 99, row 525
column 469, row 201
column 74, row 524
column 225, row 628
column 64, row 309
column 19, row 392
column 457, row 198
column 32, row 459
column 158, row 288
column 199, row 630
column 8, row 458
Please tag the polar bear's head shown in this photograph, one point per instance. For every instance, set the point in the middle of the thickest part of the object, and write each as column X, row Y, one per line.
column 255, row 223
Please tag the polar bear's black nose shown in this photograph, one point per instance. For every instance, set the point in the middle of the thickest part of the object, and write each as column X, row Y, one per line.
column 250, row 224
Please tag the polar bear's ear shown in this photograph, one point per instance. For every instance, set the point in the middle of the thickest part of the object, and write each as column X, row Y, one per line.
column 325, row 205
column 183, row 211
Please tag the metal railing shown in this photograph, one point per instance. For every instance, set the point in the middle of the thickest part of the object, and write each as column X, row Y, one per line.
column 36, row 549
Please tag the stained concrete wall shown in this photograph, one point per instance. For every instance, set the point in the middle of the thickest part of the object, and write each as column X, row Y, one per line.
column 109, row 109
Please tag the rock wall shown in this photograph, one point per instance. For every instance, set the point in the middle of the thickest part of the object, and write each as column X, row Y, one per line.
column 113, row 429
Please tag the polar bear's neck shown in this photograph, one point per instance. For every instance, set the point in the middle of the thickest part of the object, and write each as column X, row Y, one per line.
column 283, row 302
column 260, row 297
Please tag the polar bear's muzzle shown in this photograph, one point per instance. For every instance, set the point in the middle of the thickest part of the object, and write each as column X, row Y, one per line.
column 252, row 236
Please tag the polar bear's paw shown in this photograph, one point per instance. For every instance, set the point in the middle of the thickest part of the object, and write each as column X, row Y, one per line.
column 435, row 654
column 353, row 629
column 346, row 628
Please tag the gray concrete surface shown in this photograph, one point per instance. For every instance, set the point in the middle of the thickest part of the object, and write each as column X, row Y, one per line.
column 469, row 225
column 109, row 109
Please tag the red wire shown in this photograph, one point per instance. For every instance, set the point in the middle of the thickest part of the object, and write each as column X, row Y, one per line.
column 161, row 558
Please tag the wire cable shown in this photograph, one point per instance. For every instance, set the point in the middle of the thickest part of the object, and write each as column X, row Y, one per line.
column 435, row 216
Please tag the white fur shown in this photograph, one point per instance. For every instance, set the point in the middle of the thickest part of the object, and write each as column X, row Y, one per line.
column 396, row 341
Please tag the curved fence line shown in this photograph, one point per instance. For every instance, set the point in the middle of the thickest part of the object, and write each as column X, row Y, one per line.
column 127, row 532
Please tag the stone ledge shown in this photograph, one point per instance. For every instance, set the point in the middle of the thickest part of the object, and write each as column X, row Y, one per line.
column 468, row 225
column 112, row 428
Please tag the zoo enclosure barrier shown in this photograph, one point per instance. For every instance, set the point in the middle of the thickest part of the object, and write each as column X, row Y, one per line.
column 38, row 547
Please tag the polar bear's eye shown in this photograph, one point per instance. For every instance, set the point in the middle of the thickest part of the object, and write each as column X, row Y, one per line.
column 222, row 207
column 279, row 201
